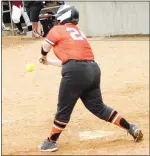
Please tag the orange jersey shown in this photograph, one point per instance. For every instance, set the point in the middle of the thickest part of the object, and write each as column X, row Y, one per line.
column 69, row 43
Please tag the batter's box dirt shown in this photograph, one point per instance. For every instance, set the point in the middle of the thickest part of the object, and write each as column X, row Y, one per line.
column 31, row 99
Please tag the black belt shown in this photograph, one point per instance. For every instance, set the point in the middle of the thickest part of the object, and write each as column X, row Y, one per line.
column 86, row 61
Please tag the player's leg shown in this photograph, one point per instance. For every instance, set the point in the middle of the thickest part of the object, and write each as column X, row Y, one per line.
column 16, row 14
column 68, row 96
column 69, row 93
column 92, row 100
column 26, row 19
column 66, row 103
column 34, row 18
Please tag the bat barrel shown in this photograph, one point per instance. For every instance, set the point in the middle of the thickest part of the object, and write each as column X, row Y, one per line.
column 49, row 8
column 45, row 16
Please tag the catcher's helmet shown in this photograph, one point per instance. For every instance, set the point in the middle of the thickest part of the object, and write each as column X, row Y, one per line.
column 67, row 14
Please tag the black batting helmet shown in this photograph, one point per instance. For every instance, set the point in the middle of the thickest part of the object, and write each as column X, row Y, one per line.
column 67, row 14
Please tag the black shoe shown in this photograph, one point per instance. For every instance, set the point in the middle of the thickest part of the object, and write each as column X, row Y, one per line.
column 19, row 32
column 136, row 133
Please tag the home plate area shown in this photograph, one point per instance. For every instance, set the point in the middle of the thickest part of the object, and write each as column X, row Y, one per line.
column 29, row 100
column 87, row 135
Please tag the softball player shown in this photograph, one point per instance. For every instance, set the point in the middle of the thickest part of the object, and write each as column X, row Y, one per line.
column 80, row 77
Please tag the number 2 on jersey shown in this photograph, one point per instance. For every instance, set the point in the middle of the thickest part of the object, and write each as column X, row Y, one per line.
column 75, row 34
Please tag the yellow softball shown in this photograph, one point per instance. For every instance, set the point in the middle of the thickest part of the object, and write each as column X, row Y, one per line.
column 30, row 67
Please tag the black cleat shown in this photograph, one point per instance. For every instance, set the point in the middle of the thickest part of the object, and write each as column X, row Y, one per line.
column 136, row 133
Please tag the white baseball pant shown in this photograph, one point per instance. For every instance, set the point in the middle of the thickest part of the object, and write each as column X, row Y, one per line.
column 16, row 14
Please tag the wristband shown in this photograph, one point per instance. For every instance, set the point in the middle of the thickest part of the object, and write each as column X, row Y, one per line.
column 44, row 53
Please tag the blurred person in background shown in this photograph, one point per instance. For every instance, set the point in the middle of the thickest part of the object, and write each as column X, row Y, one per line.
column 33, row 9
column 48, row 22
column 4, row 28
column 17, row 12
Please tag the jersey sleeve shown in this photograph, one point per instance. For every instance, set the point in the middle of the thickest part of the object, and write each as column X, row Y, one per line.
column 53, row 36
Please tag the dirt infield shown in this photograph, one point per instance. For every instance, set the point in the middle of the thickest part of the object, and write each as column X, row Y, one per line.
column 29, row 100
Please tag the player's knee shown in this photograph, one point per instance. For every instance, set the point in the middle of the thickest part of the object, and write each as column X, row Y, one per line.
column 105, row 114
column 15, row 19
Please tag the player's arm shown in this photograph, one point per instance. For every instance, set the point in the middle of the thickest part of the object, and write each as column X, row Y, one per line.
column 52, row 38
column 44, row 51
column 55, row 63
column 46, row 47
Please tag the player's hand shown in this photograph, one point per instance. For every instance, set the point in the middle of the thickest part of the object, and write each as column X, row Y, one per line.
column 43, row 60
